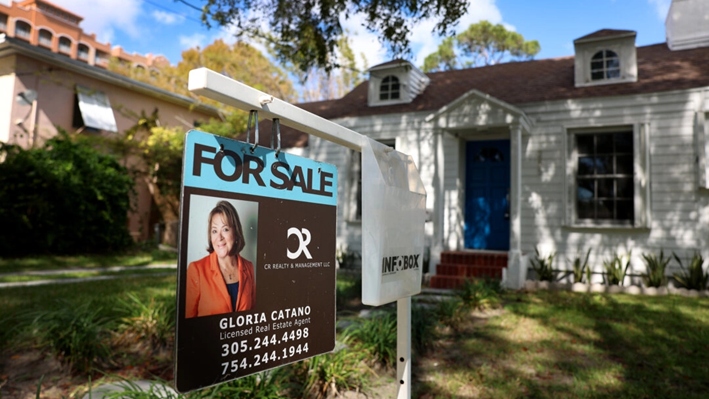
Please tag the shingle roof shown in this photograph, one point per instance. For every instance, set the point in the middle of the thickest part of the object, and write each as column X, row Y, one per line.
column 659, row 69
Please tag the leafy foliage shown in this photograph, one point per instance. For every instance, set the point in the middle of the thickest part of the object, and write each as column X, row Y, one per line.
column 481, row 44
column 152, row 322
column 307, row 33
column 64, row 198
column 326, row 375
column 481, row 293
column 376, row 336
column 543, row 266
column 616, row 270
column 423, row 328
column 693, row 277
column 580, row 268
column 78, row 335
column 656, row 266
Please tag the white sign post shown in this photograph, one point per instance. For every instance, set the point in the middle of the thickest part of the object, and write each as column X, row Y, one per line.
column 393, row 211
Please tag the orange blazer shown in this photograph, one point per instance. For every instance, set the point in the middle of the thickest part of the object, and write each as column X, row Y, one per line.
column 206, row 289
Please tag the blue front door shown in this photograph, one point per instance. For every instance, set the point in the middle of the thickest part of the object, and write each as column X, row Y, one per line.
column 487, row 187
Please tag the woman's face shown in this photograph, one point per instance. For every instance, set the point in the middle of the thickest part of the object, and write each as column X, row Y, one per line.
column 221, row 235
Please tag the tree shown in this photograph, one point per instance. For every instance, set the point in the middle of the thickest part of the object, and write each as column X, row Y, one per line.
column 318, row 84
column 306, row 32
column 481, row 44
column 63, row 198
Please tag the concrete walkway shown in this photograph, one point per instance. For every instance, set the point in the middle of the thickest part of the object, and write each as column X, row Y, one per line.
column 84, row 279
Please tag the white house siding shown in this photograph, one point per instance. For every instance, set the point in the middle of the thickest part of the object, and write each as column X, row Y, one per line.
column 678, row 210
column 411, row 137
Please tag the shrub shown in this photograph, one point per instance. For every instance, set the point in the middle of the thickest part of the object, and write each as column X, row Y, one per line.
column 543, row 266
column 327, row 375
column 693, row 277
column 656, row 266
column 376, row 336
column 451, row 313
column 77, row 335
column 64, row 198
column 580, row 268
column 476, row 294
column 616, row 270
column 152, row 322
column 423, row 328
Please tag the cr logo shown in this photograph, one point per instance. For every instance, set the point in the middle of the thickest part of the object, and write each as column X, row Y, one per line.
column 303, row 239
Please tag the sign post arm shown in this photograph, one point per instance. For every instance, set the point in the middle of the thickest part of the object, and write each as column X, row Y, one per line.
column 218, row 87
column 403, row 347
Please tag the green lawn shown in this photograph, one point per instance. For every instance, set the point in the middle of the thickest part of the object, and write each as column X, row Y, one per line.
column 49, row 262
column 536, row 345
column 571, row 345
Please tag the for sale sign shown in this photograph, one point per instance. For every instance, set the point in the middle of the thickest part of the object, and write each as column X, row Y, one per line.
column 256, row 269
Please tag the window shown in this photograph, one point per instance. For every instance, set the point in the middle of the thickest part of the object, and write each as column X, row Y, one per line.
column 354, row 194
column 23, row 30
column 608, row 179
column 83, row 52
column 390, row 88
column 3, row 22
column 45, row 38
column 605, row 65
column 604, row 176
column 101, row 58
column 65, row 45
column 92, row 110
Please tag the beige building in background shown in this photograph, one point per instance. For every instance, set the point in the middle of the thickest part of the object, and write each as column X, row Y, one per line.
column 52, row 75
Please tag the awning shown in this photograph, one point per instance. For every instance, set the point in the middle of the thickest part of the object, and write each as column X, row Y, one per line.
column 96, row 111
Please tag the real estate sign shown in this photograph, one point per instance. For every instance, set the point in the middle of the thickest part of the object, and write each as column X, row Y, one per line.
column 256, row 269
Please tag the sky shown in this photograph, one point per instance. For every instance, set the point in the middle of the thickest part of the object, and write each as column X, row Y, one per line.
column 169, row 27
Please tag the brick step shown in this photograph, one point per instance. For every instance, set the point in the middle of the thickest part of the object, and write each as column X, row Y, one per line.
column 468, row 271
column 455, row 282
column 474, row 258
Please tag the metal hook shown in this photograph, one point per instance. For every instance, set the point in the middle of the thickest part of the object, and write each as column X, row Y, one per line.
column 248, row 129
column 277, row 127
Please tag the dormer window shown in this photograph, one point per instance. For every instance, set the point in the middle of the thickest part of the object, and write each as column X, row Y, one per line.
column 605, row 64
column 390, row 88
column 395, row 82
column 605, row 57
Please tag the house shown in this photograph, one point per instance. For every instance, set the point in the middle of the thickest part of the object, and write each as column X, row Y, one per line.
column 52, row 74
column 604, row 150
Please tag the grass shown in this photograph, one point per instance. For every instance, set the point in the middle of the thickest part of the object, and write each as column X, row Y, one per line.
column 18, row 278
column 561, row 344
column 138, row 257
column 541, row 345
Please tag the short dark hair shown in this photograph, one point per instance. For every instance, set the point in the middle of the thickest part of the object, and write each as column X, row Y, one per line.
column 232, row 220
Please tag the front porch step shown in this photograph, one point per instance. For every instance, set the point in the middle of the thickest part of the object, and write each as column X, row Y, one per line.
column 458, row 266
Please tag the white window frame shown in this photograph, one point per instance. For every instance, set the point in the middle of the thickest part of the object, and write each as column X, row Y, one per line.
column 641, row 177
column 604, row 69
column 390, row 80
column 701, row 134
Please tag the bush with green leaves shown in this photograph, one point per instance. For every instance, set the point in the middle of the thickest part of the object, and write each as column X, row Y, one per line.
column 479, row 293
column 152, row 322
column 451, row 313
column 616, row 269
column 328, row 374
column 580, row 268
column 655, row 269
column 423, row 328
column 693, row 277
column 63, row 198
column 376, row 336
column 543, row 266
column 77, row 335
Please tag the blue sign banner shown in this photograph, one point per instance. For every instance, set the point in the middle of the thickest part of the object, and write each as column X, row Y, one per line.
column 223, row 164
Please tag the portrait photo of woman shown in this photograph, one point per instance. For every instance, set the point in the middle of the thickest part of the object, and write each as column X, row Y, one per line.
column 223, row 281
